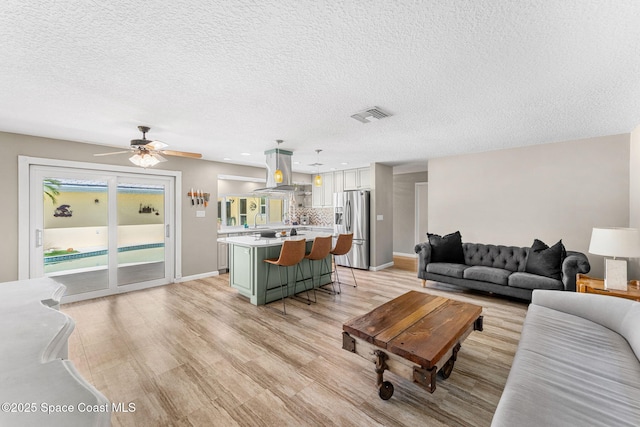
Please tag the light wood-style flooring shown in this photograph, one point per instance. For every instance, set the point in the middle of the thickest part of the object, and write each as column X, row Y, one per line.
column 198, row 354
column 89, row 281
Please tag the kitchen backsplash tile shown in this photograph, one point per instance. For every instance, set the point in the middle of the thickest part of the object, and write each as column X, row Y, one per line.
column 317, row 216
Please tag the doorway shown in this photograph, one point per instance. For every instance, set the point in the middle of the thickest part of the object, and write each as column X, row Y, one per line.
column 101, row 232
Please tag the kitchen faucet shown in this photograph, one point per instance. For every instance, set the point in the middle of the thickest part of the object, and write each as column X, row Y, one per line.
column 255, row 219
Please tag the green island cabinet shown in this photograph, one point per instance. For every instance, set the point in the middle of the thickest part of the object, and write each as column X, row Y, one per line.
column 248, row 271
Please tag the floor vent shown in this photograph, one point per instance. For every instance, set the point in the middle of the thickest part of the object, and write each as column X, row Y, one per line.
column 369, row 115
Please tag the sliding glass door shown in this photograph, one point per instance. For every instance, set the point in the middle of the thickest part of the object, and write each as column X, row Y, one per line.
column 100, row 233
column 71, row 239
column 142, row 231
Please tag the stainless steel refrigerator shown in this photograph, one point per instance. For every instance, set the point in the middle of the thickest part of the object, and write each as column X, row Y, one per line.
column 351, row 215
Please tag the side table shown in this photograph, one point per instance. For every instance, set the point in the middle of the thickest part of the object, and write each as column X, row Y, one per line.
column 591, row 285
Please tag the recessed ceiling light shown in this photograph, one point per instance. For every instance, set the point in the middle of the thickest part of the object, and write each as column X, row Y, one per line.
column 344, row 163
column 296, row 163
column 245, row 154
column 227, row 158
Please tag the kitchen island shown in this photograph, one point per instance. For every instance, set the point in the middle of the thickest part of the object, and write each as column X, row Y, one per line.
column 248, row 271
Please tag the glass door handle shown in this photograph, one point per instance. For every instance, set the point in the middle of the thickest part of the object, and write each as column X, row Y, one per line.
column 168, row 231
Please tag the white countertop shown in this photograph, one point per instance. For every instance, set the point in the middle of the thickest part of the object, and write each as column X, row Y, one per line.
column 254, row 241
column 287, row 228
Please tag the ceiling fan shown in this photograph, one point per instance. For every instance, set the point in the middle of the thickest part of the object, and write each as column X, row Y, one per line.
column 148, row 153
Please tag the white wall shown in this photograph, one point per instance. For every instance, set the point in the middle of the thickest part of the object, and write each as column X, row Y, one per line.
column 422, row 211
column 231, row 187
column 381, row 206
column 634, row 194
column 550, row 192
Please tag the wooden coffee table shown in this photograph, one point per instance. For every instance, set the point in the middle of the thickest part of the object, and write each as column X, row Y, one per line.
column 591, row 285
column 414, row 336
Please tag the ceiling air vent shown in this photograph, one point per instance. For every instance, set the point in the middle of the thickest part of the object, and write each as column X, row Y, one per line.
column 369, row 115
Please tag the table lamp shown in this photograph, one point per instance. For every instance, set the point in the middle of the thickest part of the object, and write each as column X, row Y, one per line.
column 615, row 242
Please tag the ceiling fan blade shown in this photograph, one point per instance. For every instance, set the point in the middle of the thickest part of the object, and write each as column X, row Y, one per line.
column 158, row 157
column 181, row 154
column 114, row 152
column 156, row 145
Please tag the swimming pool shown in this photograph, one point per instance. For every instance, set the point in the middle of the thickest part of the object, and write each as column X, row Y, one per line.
column 98, row 259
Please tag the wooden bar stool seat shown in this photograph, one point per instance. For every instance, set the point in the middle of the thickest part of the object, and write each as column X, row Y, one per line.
column 291, row 254
column 319, row 252
column 343, row 246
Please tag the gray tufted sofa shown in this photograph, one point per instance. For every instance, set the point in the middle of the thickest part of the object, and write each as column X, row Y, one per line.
column 498, row 269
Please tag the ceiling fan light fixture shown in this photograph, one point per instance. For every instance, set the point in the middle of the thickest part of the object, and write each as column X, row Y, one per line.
column 148, row 160
column 144, row 160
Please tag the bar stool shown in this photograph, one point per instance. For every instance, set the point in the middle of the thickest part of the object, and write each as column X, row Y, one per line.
column 319, row 252
column 291, row 254
column 343, row 246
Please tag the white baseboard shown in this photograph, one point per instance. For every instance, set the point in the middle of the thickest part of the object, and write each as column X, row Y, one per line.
column 197, row 276
column 381, row 267
column 123, row 289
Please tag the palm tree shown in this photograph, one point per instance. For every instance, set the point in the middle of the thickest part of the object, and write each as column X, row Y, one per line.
column 52, row 189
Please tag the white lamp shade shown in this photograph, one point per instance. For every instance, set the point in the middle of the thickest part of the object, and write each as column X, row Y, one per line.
column 615, row 242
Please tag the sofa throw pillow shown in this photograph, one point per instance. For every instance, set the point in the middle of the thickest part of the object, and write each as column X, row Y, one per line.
column 446, row 248
column 546, row 261
column 540, row 245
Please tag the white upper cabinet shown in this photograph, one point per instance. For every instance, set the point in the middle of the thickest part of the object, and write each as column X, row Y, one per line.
column 357, row 179
column 317, row 195
column 323, row 195
column 336, row 182
column 327, row 189
column 364, row 179
column 350, row 179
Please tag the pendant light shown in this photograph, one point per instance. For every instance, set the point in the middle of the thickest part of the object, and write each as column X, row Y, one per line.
column 277, row 176
column 318, row 179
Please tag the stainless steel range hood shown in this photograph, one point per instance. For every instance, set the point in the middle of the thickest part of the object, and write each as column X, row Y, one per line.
column 278, row 159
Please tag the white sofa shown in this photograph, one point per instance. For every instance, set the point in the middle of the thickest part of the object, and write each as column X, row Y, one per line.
column 576, row 364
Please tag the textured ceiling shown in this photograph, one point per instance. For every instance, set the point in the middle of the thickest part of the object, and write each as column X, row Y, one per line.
column 225, row 77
